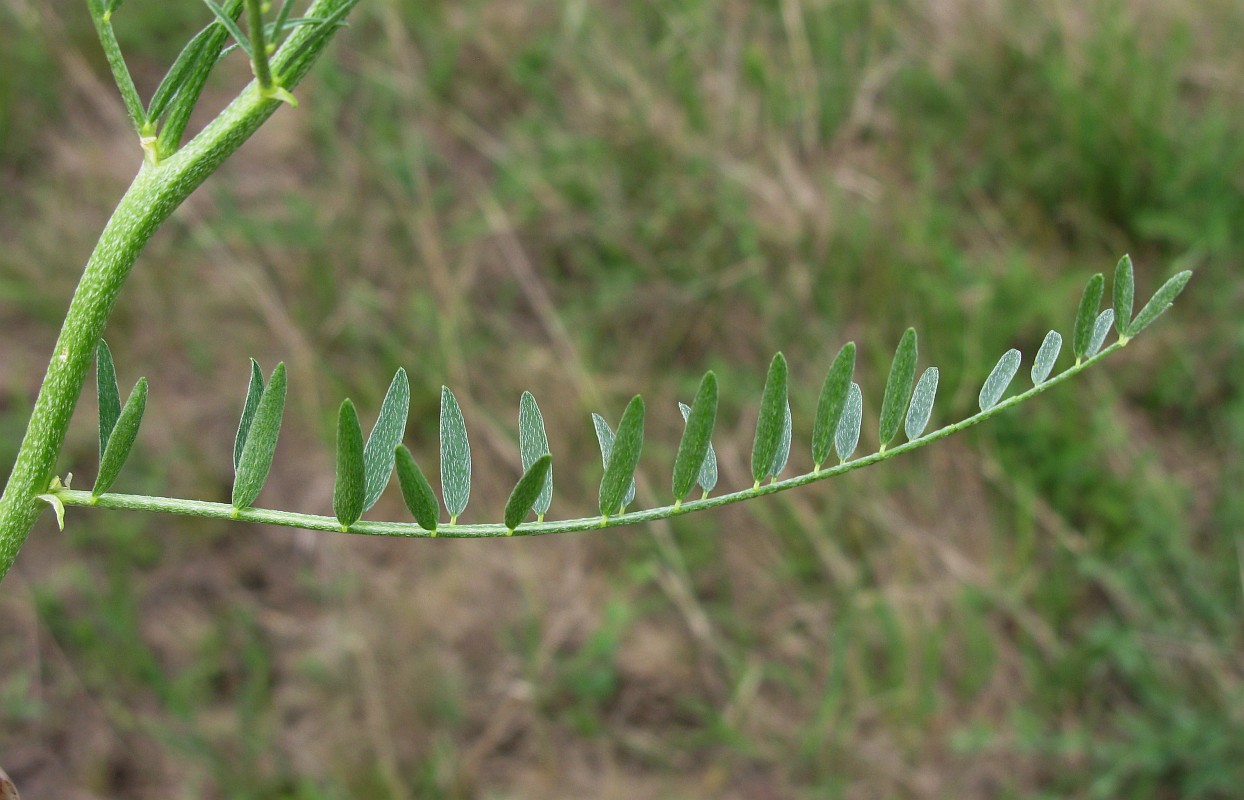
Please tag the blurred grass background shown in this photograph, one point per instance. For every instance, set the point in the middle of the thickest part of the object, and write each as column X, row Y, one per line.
column 594, row 199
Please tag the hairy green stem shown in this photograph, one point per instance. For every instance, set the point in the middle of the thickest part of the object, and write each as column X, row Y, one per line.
column 199, row 508
column 154, row 194
column 116, row 62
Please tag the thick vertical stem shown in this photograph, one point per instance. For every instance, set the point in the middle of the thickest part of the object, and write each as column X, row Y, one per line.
column 154, row 194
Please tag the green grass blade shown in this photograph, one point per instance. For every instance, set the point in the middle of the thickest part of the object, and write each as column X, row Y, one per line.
column 847, row 437
column 108, row 394
column 261, row 441
column 350, row 487
column 455, row 456
column 922, row 403
column 1160, row 301
column 898, row 387
column 1000, row 378
column 1101, row 327
column 833, row 399
column 623, row 459
column 1046, row 357
column 604, row 437
column 1086, row 315
column 533, row 442
column 770, row 420
column 253, row 392
column 122, row 440
column 1124, row 290
column 416, row 491
column 696, row 437
column 708, row 470
column 526, row 491
column 385, row 437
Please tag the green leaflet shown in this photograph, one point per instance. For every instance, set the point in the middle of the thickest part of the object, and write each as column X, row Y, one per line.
column 783, row 452
column 1124, row 289
column 1046, row 357
column 122, row 439
column 526, row 491
column 1160, row 301
column 604, row 437
column 176, row 76
column 350, row 487
column 624, row 458
column 455, row 456
column 385, row 437
column 771, row 419
column 533, row 442
column 108, row 394
column 696, row 437
column 261, row 441
column 282, row 16
column 898, row 387
column 833, row 399
column 226, row 19
column 1086, row 316
column 253, row 392
column 416, row 491
column 922, row 403
column 708, row 470
column 1101, row 327
column 847, row 437
column 1000, row 378
column 190, row 86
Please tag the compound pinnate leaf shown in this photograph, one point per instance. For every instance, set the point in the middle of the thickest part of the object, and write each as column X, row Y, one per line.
column 783, row 452
column 771, row 419
column 696, row 437
column 898, row 387
column 1086, row 316
column 623, row 458
column 350, row 487
column 122, row 439
column 416, row 491
column 1000, row 378
column 253, row 391
column 708, row 470
column 108, row 394
column 385, row 437
column 922, row 403
column 604, row 437
column 833, row 399
column 1046, row 357
column 1160, row 301
column 526, row 491
column 847, row 437
column 533, row 443
column 455, row 456
column 1100, row 328
column 261, row 441
column 1124, row 289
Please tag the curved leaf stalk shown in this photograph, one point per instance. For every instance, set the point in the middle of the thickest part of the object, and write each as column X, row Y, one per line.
column 472, row 531
column 151, row 198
